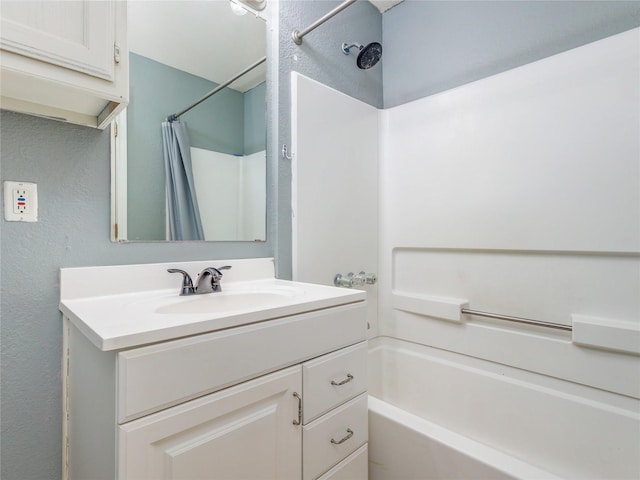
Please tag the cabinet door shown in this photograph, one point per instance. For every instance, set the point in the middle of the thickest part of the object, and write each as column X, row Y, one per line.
column 79, row 34
column 244, row 432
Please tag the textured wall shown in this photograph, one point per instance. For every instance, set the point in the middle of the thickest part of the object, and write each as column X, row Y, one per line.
column 70, row 164
column 436, row 45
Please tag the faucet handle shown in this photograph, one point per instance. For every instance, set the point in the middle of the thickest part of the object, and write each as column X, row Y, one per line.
column 215, row 271
column 214, row 275
column 187, row 283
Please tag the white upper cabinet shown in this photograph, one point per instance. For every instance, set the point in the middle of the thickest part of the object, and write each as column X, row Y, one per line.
column 66, row 60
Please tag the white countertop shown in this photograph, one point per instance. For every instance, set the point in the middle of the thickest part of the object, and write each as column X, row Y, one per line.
column 125, row 306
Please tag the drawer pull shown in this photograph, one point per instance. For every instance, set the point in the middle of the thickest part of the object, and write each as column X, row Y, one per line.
column 299, row 420
column 349, row 435
column 346, row 380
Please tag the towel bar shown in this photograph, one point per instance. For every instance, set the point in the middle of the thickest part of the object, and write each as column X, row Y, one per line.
column 510, row 318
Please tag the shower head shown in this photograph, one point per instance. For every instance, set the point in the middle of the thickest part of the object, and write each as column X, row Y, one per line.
column 369, row 55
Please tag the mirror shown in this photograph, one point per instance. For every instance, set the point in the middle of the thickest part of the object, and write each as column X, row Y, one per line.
column 179, row 51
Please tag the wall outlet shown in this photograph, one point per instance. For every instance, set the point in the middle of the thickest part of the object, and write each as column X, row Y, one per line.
column 20, row 202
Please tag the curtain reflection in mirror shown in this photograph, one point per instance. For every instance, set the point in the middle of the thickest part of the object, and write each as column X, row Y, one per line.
column 182, row 201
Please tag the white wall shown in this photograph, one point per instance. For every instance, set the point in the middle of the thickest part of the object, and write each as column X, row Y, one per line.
column 233, row 189
column 520, row 194
column 334, row 186
column 252, row 199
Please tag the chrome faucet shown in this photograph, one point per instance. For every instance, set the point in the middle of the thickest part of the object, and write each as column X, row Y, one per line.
column 213, row 274
column 212, row 286
column 187, row 284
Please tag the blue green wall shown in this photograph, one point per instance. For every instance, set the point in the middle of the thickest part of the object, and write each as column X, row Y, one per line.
column 255, row 119
column 433, row 46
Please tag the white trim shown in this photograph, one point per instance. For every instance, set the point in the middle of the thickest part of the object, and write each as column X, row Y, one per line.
column 119, row 177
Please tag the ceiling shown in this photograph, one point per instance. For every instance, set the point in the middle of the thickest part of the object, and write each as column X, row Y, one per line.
column 203, row 38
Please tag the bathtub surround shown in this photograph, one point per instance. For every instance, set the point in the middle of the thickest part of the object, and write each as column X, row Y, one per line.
column 531, row 178
column 71, row 166
column 339, row 213
column 516, row 194
column 529, row 182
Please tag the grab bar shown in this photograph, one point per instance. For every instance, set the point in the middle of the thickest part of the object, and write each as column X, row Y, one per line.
column 510, row 318
column 452, row 309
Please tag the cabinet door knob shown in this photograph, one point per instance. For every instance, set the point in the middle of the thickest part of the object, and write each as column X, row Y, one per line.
column 346, row 380
column 349, row 435
column 299, row 420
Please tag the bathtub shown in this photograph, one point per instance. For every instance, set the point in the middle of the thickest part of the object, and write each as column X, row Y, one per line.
column 435, row 414
column 405, row 446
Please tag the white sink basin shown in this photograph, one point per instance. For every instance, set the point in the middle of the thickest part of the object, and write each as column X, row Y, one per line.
column 228, row 301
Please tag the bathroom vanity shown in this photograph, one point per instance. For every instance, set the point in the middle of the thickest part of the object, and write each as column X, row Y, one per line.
column 266, row 379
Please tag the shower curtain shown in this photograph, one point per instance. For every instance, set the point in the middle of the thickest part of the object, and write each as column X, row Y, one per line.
column 182, row 204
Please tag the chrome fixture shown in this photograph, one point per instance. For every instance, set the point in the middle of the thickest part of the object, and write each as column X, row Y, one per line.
column 346, row 380
column 208, row 281
column 354, row 280
column 369, row 55
column 187, row 284
column 214, row 275
column 297, row 34
column 285, row 153
column 344, row 439
column 298, row 421
column 174, row 116
column 527, row 321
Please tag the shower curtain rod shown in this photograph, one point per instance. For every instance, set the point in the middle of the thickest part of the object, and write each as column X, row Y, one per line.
column 297, row 34
column 175, row 116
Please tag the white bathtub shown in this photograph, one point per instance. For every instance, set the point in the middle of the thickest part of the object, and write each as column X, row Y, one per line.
column 404, row 446
column 434, row 414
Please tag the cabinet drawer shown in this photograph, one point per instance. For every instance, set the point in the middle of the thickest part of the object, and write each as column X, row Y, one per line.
column 354, row 467
column 159, row 376
column 333, row 379
column 334, row 437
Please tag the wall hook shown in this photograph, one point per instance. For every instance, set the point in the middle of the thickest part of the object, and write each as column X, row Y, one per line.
column 284, row 152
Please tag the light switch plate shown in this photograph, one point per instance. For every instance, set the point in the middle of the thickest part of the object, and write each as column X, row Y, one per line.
column 20, row 202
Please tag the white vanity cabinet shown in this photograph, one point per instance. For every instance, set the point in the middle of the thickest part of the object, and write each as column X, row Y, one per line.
column 280, row 399
column 242, row 432
column 66, row 60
